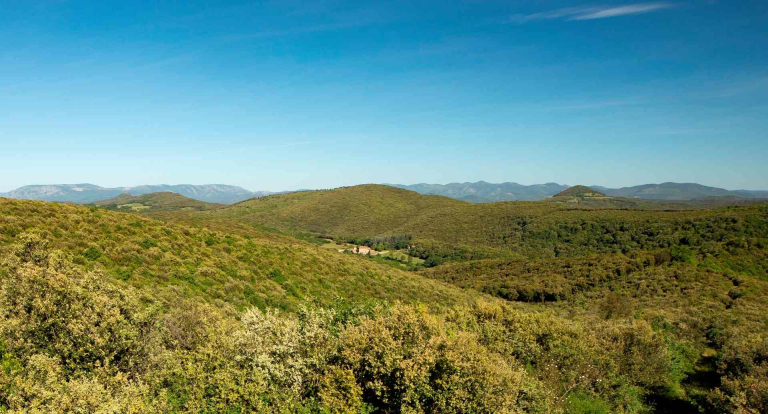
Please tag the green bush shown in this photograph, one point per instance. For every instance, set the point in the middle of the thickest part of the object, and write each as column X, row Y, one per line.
column 582, row 403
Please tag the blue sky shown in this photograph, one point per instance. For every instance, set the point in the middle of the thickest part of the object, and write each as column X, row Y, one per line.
column 282, row 95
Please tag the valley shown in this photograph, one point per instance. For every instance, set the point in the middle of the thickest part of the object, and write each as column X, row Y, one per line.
column 580, row 300
column 383, row 207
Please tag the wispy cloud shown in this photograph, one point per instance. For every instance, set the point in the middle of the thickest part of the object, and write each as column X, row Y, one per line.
column 621, row 11
column 591, row 12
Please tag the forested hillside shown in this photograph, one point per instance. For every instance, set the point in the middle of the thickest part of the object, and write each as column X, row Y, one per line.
column 156, row 202
column 359, row 210
column 450, row 230
column 336, row 295
column 256, row 269
column 622, row 311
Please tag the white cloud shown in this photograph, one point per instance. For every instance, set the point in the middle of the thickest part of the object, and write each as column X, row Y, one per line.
column 591, row 12
column 623, row 10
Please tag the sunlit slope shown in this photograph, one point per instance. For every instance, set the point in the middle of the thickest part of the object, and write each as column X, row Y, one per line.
column 156, row 202
column 167, row 260
column 359, row 210
column 579, row 191
column 530, row 228
column 626, row 332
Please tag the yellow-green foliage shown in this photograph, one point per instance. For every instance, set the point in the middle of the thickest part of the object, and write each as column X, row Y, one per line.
column 79, row 344
column 91, row 324
column 452, row 230
column 363, row 210
column 651, row 275
column 112, row 312
column 168, row 261
column 72, row 341
column 614, row 203
column 743, row 361
column 692, row 308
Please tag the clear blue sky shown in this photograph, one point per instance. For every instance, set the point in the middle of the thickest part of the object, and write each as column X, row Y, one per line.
column 283, row 95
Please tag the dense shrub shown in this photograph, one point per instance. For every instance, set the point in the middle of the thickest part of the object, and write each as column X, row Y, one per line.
column 72, row 341
column 238, row 269
column 111, row 312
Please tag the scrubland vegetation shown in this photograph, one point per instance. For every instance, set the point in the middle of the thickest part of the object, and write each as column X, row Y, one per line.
column 450, row 230
column 255, row 269
column 528, row 307
column 156, row 202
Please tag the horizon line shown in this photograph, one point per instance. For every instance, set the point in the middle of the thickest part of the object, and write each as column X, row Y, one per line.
column 127, row 188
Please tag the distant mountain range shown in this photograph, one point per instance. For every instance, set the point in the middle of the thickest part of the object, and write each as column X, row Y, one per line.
column 677, row 191
column 479, row 192
column 483, row 192
column 89, row 193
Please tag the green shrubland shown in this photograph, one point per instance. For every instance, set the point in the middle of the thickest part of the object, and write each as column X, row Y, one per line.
column 531, row 307
column 73, row 341
column 156, row 203
column 226, row 269
column 451, row 230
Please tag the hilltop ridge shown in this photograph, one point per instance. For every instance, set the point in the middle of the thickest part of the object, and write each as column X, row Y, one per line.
column 156, row 202
column 580, row 191
column 590, row 284
column 484, row 192
column 478, row 192
column 442, row 227
column 90, row 193
column 357, row 210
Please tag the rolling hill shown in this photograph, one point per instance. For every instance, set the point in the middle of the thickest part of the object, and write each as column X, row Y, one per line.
column 89, row 193
column 242, row 269
column 155, row 203
column 482, row 192
column 360, row 210
column 211, row 193
column 751, row 193
column 579, row 191
column 212, row 311
column 447, row 229
column 673, row 191
column 479, row 192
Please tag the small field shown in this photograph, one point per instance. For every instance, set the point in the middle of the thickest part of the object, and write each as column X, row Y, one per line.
column 400, row 256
